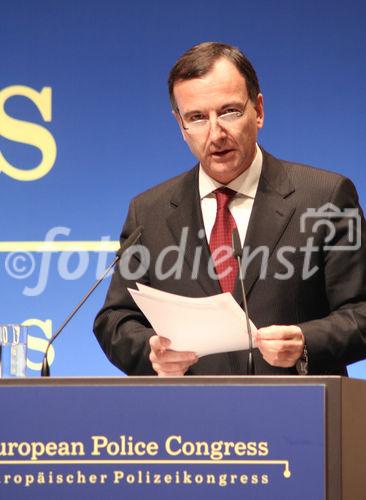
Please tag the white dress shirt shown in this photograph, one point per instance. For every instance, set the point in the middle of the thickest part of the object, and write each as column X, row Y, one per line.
column 245, row 186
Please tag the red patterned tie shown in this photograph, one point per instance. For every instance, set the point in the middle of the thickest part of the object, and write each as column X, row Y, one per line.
column 221, row 236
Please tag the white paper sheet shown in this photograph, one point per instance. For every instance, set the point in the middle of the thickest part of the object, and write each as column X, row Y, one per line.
column 206, row 325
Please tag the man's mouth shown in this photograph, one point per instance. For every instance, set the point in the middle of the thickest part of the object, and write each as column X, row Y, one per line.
column 222, row 153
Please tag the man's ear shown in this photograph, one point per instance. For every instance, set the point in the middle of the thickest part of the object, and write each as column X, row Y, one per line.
column 177, row 117
column 259, row 107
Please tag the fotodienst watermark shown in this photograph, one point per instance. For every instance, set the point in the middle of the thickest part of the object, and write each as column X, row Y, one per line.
column 340, row 231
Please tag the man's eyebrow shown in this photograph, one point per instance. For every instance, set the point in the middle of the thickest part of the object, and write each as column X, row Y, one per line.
column 231, row 104
column 193, row 112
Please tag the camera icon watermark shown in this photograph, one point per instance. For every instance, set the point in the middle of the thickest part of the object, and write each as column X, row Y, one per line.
column 329, row 215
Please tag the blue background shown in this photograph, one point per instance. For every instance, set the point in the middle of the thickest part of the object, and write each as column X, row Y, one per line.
column 107, row 63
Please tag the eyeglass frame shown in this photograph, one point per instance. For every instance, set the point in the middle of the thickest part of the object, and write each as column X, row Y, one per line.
column 207, row 120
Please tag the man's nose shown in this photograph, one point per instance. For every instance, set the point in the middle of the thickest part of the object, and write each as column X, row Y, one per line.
column 217, row 131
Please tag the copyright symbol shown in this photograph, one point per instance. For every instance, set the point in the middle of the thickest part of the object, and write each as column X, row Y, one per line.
column 19, row 265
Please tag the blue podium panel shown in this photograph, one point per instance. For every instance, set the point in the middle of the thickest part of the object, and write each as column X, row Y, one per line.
column 163, row 442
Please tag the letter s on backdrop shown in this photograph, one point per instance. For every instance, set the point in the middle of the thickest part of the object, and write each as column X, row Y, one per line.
column 27, row 132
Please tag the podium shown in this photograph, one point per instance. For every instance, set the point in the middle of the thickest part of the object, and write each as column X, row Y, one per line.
column 276, row 438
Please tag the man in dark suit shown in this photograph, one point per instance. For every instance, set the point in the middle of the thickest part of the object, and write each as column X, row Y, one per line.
column 305, row 260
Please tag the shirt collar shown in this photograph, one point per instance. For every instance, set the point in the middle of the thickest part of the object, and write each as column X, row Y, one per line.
column 245, row 184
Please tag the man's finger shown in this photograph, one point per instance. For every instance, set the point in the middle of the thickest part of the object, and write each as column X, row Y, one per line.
column 157, row 342
column 280, row 345
column 277, row 332
column 169, row 356
column 172, row 368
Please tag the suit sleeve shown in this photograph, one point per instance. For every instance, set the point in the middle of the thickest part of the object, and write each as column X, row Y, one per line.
column 121, row 329
column 339, row 339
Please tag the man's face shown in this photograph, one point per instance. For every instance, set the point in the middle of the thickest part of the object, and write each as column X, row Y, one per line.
column 224, row 149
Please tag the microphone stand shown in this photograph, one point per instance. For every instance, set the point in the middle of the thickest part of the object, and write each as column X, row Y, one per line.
column 237, row 252
column 131, row 240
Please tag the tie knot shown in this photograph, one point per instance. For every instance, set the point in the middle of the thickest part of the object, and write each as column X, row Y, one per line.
column 223, row 196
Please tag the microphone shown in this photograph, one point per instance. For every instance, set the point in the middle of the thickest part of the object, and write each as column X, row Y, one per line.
column 237, row 253
column 131, row 240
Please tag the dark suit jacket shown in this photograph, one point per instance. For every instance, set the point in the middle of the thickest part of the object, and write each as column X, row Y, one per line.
column 328, row 302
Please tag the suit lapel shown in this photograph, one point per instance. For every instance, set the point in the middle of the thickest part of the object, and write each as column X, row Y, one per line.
column 272, row 210
column 186, row 213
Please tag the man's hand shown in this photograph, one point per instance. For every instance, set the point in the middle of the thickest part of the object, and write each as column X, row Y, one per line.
column 281, row 345
column 169, row 363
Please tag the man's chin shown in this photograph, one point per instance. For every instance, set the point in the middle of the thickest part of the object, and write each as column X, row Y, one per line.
column 223, row 173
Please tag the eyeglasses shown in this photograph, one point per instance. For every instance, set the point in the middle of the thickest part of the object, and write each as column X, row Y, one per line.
column 199, row 123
